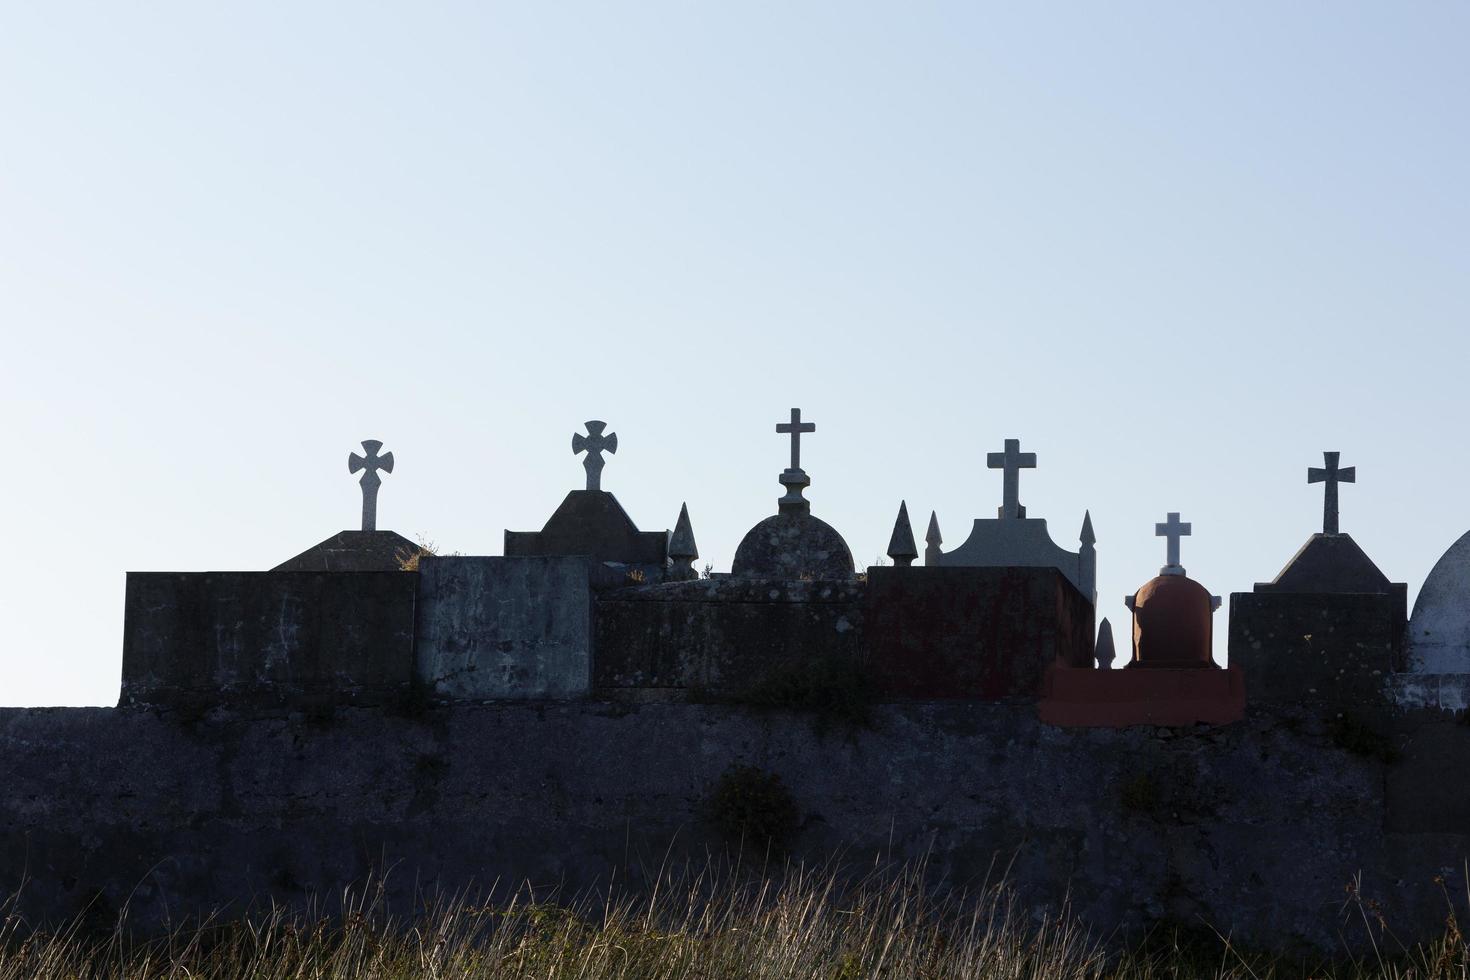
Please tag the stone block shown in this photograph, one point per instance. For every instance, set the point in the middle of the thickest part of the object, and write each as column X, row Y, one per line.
column 505, row 628
column 722, row 634
column 1163, row 696
column 973, row 632
column 1330, row 648
column 277, row 637
column 592, row 524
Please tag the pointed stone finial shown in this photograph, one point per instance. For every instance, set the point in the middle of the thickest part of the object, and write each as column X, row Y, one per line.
column 370, row 480
column 682, row 549
column 901, row 547
column 594, row 444
column 1331, row 474
column 932, row 540
column 1106, row 653
column 1087, row 559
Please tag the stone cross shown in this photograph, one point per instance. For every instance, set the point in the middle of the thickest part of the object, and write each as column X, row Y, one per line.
column 1012, row 461
column 594, row 444
column 1331, row 475
column 1173, row 530
column 796, row 427
column 370, row 481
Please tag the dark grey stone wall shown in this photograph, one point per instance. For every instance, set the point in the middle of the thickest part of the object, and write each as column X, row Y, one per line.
column 973, row 632
column 721, row 633
column 492, row 628
column 267, row 636
column 1254, row 828
column 1305, row 647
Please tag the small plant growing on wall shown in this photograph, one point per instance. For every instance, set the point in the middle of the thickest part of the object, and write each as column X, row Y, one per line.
column 753, row 808
column 1352, row 734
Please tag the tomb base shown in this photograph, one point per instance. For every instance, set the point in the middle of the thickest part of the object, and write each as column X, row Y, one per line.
column 1163, row 696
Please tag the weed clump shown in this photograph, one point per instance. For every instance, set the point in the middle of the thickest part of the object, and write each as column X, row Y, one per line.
column 1352, row 734
column 753, row 807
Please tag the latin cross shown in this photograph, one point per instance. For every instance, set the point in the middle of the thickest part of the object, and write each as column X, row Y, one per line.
column 1012, row 462
column 796, row 427
column 1172, row 530
column 1331, row 474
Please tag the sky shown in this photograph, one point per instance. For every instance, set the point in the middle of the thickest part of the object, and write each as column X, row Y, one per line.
column 1177, row 249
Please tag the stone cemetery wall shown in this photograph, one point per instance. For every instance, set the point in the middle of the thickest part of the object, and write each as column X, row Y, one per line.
column 966, row 632
column 1316, row 648
column 498, row 628
column 725, row 635
column 268, row 637
column 1255, row 828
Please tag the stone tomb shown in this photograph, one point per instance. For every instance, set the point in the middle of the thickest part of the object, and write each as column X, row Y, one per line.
column 504, row 628
column 793, row 544
column 1172, row 678
column 366, row 550
column 1011, row 539
column 984, row 634
column 591, row 523
column 267, row 637
column 1438, row 638
column 1329, row 627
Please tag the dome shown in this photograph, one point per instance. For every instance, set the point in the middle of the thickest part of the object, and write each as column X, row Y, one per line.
column 793, row 545
column 1172, row 623
column 1439, row 629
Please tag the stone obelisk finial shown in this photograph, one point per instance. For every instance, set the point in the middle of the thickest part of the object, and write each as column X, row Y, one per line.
column 682, row 549
column 901, row 547
column 370, row 481
column 932, row 540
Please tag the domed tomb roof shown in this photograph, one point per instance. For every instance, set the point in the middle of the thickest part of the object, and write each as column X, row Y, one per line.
column 793, row 544
column 1172, row 623
column 1439, row 628
column 1173, row 615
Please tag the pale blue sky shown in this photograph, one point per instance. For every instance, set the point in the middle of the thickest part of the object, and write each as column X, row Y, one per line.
column 1177, row 248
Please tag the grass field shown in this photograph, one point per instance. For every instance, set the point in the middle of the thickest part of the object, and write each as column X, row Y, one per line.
column 816, row 925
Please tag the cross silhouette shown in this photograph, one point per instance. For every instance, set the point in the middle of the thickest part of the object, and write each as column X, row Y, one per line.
column 796, row 427
column 1173, row 530
column 594, row 444
column 1331, row 475
column 370, row 481
column 1012, row 461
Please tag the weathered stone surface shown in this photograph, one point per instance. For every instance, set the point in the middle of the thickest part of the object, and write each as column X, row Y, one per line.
column 1439, row 630
column 1173, row 623
column 212, row 637
column 505, row 628
column 1330, row 563
column 1315, row 648
column 683, row 551
column 1018, row 543
column 592, row 524
column 353, row 551
column 1253, row 829
column 985, row 633
column 793, row 545
column 721, row 634
column 370, row 480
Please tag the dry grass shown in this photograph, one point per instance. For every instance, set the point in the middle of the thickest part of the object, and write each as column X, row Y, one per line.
column 806, row 926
